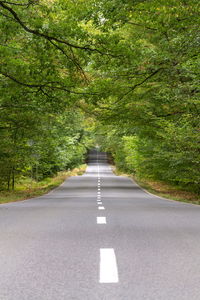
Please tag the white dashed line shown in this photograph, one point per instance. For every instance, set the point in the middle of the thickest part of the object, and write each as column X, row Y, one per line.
column 101, row 220
column 99, row 202
column 101, row 207
column 108, row 272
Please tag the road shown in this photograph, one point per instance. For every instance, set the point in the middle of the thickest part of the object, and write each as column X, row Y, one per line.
column 99, row 237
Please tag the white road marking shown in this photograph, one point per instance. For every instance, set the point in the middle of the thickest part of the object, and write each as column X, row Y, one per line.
column 101, row 220
column 99, row 202
column 108, row 272
column 101, row 207
column 99, row 189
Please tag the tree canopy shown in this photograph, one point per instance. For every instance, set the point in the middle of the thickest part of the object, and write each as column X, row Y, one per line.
column 124, row 74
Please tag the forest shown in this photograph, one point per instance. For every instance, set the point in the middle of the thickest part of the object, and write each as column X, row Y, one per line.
column 123, row 74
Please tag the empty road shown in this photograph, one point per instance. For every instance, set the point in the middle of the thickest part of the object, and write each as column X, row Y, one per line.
column 99, row 237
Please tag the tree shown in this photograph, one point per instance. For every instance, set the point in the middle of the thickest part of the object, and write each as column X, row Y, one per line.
column 131, row 66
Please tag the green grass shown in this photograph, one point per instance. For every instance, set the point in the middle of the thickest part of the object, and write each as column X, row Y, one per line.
column 163, row 189
column 28, row 188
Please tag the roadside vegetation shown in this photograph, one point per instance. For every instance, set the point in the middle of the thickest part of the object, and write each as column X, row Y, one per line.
column 123, row 74
column 162, row 189
column 28, row 188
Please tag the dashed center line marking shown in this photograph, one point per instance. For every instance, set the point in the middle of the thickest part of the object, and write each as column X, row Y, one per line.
column 99, row 202
column 108, row 272
column 101, row 220
column 101, row 207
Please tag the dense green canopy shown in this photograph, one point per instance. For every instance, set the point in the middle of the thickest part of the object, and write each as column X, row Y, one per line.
column 124, row 74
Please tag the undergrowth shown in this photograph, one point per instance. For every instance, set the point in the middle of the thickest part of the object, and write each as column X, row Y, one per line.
column 28, row 188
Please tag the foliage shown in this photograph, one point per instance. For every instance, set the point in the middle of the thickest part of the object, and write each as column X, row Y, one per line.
column 124, row 71
column 28, row 188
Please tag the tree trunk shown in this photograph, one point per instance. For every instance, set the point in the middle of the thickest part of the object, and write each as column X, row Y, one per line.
column 8, row 180
column 13, row 178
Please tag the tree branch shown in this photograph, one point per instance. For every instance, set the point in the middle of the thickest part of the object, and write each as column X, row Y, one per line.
column 138, row 84
column 45, row 85
column 19, row 4
column 19, row 82
column 46, row 36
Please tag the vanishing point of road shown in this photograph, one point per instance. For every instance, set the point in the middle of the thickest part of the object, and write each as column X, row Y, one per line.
column 99, row 237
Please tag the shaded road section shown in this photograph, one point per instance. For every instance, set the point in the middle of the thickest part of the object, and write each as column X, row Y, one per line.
column 99, row 236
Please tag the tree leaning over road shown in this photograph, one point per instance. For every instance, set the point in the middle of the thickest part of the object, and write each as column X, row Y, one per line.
column 131, row 65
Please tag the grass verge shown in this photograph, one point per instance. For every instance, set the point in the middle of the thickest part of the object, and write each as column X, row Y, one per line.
column 163, row 189
column 29, row 188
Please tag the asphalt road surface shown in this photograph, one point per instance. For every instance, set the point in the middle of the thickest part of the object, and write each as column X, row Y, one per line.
column 99, row 236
